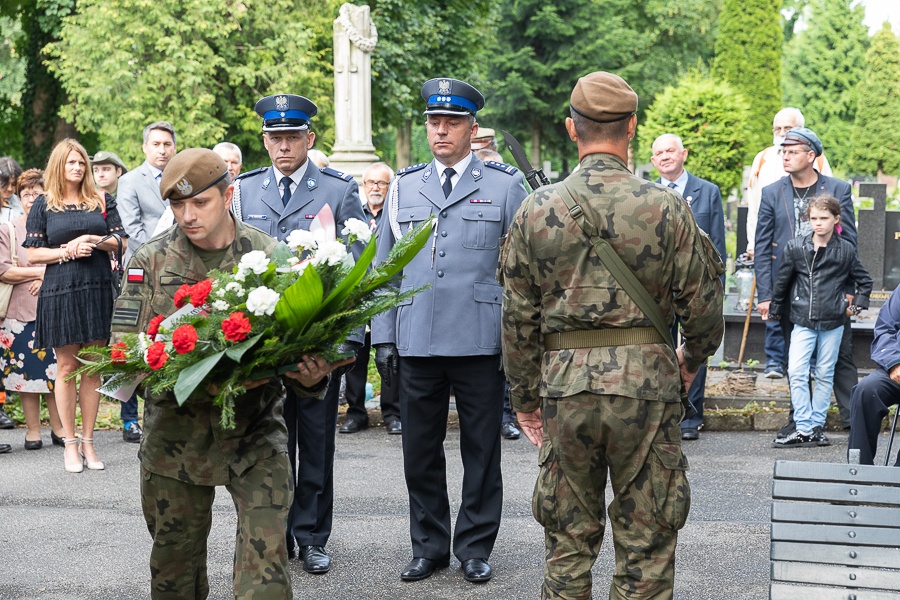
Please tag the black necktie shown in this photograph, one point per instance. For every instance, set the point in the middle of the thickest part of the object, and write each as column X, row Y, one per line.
column 672, row 185
column 448, row 185
column 286, row 195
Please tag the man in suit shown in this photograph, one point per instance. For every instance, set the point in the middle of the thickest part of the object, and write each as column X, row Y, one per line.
column 140, row 204
column 279, row 199
column 782, row 216
column 449, row 334
column 705, row 201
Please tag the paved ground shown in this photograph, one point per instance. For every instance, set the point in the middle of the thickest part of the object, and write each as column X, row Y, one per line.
column 66, row 536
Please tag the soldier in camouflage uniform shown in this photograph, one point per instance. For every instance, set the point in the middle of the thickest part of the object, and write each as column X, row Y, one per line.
column 594, row 386
column 185, row 452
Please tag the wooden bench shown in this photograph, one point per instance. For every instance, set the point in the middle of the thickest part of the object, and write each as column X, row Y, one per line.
column 835, row 532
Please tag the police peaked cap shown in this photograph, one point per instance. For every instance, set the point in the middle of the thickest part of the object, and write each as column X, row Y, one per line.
column 446, row 96
column 804, row 136
column 285, row 112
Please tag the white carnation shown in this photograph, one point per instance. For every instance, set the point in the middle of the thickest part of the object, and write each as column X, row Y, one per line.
column 355, row 227
column 241, row 275
column 300, row 239
column 220, row 305
column 235, row 287
column 220, row 293
column 255, row 261
column 261, row 301
column 330, row 252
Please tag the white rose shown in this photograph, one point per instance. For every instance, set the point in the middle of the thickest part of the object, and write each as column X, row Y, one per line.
column 355, row 227
column 330, row 252
column 220, row 305
column 261, row 301
column 255, row 261
column 300, row 239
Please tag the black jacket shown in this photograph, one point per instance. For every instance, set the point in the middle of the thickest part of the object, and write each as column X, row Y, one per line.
column 817, row 280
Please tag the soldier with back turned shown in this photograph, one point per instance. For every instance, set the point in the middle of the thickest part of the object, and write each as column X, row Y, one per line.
column 594, row 383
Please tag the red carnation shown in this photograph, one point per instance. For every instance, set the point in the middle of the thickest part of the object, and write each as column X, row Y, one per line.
column 181, row 295
column 184, row 338
column 117, row 353
column 236, row 327
column 200, row 292
column 156, row 355
column 153, row 328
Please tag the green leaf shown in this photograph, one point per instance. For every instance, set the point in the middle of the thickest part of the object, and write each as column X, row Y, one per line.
column 300, row 301
column 351, row 281
column 237, row 351
column 404, row 250
column 191, row 377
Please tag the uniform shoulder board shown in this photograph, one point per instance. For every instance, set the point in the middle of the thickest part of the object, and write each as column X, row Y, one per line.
column 412, row 169
column 338, row 174
column 251, row 173
column 508, row 169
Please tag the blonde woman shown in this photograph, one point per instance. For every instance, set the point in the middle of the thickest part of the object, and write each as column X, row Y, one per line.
column 74, row 309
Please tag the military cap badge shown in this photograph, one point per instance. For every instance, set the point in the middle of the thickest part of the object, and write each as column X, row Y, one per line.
column 184, row 187
column 281, row 103
column 444, row 87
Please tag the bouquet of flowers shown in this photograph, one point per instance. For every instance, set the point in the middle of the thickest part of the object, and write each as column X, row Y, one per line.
column 256, row 322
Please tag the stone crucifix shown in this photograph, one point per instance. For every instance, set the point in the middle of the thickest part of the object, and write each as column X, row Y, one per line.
column 355, row 37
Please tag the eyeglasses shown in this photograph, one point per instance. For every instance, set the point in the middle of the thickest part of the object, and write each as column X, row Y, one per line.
column 382, row 184
column 30, row 195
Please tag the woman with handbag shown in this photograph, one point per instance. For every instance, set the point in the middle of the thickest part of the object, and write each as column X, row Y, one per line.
column 64, row 231
column 26, row 368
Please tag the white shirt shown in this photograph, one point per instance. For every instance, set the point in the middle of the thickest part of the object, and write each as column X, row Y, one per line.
column 680, row 182
column 459, row 169
column 296, row 177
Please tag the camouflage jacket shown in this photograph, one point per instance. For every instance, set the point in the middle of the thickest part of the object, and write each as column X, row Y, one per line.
column 554, row 281
column 186, row 442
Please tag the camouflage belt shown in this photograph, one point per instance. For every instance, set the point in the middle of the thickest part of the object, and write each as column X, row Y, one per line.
column 594, row 338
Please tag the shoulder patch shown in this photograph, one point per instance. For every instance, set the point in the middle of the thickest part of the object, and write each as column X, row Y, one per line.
column 508, row 169
column 338, row 174
column 251, row 173
column 412, row 169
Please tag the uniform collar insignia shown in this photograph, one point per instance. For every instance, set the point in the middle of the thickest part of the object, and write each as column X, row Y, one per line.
column 266, row 183
column 426, row 175
column 310, row 184
column 476, row 173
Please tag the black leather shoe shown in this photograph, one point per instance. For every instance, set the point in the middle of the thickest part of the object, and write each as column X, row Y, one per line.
column 690, row 433
column 133, row 433
column 57, row 441
column 315, row 559
column 509, row 431
column 353, row 426
column 35, row 445
column 394, row 427
column 423, row 568
column 4, row 448
column 5, row 421
column 477, row 570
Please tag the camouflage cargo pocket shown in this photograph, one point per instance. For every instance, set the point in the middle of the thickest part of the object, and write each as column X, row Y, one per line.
column 671, row 490
column 713, row 261
column 544, row 502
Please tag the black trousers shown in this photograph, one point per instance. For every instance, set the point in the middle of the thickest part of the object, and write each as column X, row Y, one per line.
column 356, row 389
column 311, row 427
column 868, row 408
column 698, row 389
column 424, row 404
column 845, row 373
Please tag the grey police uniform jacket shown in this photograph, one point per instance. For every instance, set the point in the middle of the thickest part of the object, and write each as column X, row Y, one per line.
column 459, row 315
column 257, row 200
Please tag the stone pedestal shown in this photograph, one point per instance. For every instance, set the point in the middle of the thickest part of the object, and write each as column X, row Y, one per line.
column 354, row 38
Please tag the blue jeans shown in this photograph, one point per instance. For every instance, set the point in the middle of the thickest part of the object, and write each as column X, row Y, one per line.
column 804, row 341
column 774, row 345
column 129, row 410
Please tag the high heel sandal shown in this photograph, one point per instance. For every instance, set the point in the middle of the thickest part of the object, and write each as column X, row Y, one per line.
column 73, row 468
column 91, row 464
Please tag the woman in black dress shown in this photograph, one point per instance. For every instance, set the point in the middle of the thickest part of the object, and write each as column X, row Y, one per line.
column 75, row 305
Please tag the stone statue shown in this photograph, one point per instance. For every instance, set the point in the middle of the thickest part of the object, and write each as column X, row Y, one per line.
column 354, row 39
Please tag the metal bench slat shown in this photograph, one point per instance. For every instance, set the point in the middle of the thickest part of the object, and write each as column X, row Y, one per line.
column 877, row 579
column 836, row 514
column 815, row 471
column 858, row 556
column 782, row 591
column 835, row 492
column 835, row 534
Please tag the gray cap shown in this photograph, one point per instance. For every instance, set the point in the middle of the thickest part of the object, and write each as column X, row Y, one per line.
column 804, row 136
column 103, row 157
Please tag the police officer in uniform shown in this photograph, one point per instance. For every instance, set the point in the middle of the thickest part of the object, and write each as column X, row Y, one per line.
column 449, row 334
column 186, row 452
column 279, row 199
column 594, row 383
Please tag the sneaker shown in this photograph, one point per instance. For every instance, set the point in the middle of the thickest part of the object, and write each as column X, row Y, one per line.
column 796, row 440
column 132, row 432
column 786, row 429
column 774, row 373
column 819, row 436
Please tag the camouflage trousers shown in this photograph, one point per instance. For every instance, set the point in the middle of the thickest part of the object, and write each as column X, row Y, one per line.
column 638, row 442
column 179, row 516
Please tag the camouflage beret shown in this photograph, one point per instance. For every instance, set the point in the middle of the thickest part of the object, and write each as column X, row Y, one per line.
column 191, row 172
column 603, row 97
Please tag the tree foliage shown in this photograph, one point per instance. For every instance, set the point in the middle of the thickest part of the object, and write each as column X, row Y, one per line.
column 542, row 48
column 874, row 143
column 823, row 65
column 748, row 56
column 199, row 64
column 12, row 82
column 713, row 123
